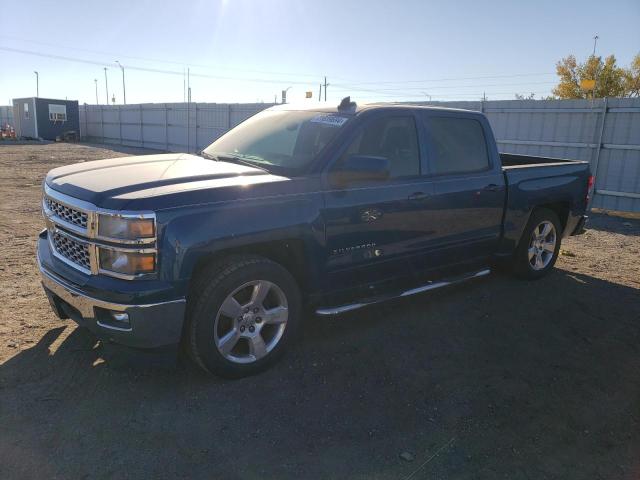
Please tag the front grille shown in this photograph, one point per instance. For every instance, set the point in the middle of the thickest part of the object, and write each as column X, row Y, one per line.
column 68, row 214
column 74, row 251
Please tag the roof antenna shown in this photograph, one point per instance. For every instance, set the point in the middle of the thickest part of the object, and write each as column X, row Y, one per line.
column 346, row 104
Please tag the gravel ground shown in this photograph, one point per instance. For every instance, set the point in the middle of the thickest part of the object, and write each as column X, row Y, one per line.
column 497, row 378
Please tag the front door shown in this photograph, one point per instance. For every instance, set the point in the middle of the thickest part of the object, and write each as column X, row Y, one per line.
column 373, row 229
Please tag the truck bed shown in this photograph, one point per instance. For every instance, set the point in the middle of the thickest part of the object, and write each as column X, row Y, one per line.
column 535, row 181
column 518, row 160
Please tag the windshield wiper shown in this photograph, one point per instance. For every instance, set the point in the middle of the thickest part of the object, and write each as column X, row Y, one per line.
column 229, row 157
column 255, row 158
column 204, row 154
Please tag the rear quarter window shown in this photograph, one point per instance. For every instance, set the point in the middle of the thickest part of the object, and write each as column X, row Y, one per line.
column 457, row 145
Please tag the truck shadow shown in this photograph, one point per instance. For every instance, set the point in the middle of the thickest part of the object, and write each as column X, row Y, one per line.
column 613, row 224
column 517, row 379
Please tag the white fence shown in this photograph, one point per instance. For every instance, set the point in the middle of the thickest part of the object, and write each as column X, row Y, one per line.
column 6, row 115
column 175, row 127
column 605, row 132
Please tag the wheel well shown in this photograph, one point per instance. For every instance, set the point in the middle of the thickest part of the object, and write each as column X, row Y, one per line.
column 561, row 209
column 288, row 253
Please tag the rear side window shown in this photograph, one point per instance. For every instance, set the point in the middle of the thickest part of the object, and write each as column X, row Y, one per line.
column 394, row 138
column 458, row 145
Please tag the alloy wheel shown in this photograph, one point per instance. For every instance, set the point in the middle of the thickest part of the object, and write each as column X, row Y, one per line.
column 251, row 321
column 542, row 245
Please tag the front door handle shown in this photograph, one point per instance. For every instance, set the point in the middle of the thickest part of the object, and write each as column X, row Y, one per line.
column 492, row 187
column 418, row 196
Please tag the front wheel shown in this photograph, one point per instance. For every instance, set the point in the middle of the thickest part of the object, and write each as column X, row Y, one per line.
column 539, row 246
column 242, row 314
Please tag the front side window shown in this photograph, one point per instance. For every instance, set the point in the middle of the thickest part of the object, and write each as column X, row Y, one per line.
column 285, row 141
column 393, row 138
column 458, row 145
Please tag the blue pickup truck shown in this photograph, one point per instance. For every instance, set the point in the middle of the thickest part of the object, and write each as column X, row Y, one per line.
column 328, row 208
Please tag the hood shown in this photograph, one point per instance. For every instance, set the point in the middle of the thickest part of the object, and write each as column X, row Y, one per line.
column 139, row 182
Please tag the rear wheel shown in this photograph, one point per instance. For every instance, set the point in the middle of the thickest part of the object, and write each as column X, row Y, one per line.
column 242, row 315
column 538, row 249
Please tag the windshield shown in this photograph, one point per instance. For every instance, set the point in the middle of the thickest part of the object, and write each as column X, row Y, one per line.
column 288, row 141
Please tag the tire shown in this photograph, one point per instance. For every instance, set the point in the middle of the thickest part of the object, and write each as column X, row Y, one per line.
column 536, row 253
column 242, row 314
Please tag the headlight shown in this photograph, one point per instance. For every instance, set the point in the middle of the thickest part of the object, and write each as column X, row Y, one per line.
column 113, row 226
column 126, row 263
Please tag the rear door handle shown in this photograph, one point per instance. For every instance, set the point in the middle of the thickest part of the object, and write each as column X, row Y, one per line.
column 418, row 196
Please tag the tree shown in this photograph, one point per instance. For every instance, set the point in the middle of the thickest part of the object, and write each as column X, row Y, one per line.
column 610, row 79
column 520, row 96
column 632, row 78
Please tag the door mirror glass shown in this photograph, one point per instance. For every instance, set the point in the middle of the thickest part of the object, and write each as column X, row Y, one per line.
column 361, row 168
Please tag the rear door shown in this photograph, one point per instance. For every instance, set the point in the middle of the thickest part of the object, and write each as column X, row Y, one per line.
column 469, row 187
column 372, row 229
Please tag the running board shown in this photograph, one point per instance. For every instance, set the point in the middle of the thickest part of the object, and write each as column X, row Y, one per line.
column 424, row 288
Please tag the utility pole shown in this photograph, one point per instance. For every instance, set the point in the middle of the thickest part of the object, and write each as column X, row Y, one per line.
column 320, row 94
column 106, row 85
column 37, row 84
column 325, row 88
column 595, row 84
column 124, row 90
column 95, row 80
column 188, row 111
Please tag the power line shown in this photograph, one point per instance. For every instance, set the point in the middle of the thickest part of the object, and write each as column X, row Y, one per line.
column 158, row 60
column 383, row 92
column 183, row 64
column 390, row 82
column 435, row 87
column 454, row 95
column 147, row 69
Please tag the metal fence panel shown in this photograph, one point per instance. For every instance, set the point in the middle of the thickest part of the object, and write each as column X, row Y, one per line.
column 6, row 115
column 605, row 132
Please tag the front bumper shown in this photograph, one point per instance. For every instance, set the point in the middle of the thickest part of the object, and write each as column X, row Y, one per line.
column 147, row 326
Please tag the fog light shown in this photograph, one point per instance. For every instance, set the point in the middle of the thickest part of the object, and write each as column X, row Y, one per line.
column 122, row 317
column 113, row 319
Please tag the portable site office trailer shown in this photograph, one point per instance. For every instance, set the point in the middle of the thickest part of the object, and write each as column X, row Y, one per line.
column 44, row 117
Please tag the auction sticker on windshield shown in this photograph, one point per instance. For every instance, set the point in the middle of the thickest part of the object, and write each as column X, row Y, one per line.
column 332, row 120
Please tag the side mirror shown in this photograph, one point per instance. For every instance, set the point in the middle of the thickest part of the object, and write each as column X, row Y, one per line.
column 359, row 168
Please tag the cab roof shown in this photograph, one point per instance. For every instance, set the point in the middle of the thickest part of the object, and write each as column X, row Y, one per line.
column 326, row 108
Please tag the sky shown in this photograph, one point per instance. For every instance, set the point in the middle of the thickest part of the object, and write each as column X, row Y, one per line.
column 251, row 50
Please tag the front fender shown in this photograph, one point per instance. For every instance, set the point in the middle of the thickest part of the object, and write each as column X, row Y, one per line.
column 189, row 234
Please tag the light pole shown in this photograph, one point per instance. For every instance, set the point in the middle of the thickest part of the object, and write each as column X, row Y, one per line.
column 427, row 95
column 595, row 83
column 37, row 84
column 124, row 90
column 106, row 85
column 95, row 80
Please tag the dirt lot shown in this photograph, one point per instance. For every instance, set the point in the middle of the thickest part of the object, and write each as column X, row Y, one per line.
column 494, row 379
